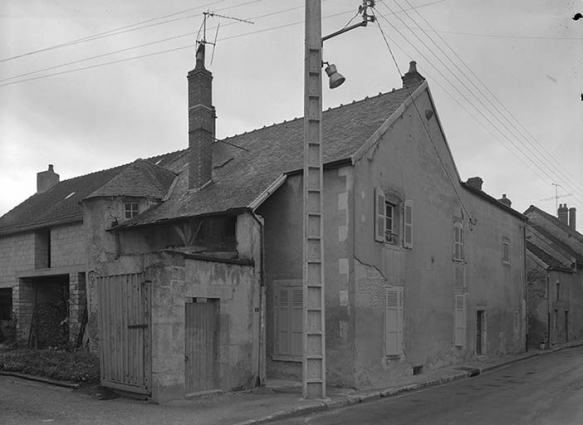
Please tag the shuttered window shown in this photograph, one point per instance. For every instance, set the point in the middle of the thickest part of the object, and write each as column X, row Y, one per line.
column 393, row 321
column 380, row 217
column 288, row 320
column 408, row 225
column 460, row 320
column 506, row 251
column 458, row 242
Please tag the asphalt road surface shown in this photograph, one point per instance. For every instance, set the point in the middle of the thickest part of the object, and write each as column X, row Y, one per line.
column 547, row 390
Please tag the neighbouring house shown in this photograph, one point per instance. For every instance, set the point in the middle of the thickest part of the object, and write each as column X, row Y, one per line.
column 554, row 277
column 193, row 260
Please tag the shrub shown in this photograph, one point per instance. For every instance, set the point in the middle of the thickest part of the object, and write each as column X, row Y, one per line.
column 76, row 366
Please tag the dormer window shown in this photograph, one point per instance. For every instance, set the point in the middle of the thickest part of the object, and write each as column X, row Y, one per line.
column 130, row 210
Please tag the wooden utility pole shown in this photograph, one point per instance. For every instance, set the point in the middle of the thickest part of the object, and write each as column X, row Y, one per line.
column 314, row 336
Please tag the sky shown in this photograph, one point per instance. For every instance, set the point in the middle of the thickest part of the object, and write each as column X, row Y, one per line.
column 87, row 85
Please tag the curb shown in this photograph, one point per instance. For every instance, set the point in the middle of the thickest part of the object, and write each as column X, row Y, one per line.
column 65, row 384
column 391, row 392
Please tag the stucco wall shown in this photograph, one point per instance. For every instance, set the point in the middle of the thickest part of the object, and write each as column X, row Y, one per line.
column 409, row 165
column 282, row 213
column 537, row 301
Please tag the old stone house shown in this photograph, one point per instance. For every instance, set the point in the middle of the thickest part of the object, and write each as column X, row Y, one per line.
column 192, row 261
column 554, row 276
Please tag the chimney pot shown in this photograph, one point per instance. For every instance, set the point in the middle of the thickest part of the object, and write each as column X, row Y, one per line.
column 46, row 179
column 504, row 200
column 475, row 182
column 412, row 77
column 563, row 214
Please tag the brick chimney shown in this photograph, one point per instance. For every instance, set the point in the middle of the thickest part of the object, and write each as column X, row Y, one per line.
column 563, row 214
column 412, row 77
column 201, row 123
column 504, row 200
column 46, row 179
column 475, row 182
column 572, row 218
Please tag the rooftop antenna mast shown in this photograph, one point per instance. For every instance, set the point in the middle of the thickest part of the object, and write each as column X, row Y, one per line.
column 204, row 40
column 557, row 196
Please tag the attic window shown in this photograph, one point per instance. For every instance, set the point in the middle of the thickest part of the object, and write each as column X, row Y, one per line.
column 69, row 195
column 130, row 210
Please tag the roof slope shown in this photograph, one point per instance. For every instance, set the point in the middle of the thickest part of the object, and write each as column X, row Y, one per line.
column 141, row 178
column 554, row 220
column 61, row 203
column 245, row 165
column 557, row 244
column 546, row 257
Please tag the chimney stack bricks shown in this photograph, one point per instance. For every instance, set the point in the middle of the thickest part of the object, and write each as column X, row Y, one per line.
column 563, row 214
column 46, row 179
column 412, row 77
column 201, row 123
column 475, row 182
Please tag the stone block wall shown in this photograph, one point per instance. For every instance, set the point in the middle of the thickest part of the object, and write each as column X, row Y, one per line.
column 16, row 254
column 68, row 245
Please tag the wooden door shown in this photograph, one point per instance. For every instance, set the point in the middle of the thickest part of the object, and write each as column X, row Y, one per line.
column 201, row 345
column 124, row 332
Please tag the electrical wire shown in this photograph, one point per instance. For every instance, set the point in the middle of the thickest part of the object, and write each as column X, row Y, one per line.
column 456, row 88
column 501, row 118
column 546, row 153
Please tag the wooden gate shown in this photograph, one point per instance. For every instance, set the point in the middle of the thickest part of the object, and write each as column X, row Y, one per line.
column 124, row 332
column 201, row 345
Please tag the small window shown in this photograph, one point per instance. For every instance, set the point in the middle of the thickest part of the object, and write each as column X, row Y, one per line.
column 130, row 210
column 506, row 251
column 458, row 242
column 558, row 291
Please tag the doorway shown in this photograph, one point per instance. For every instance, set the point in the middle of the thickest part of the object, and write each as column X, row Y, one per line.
column 480, row 332
column 201, row 345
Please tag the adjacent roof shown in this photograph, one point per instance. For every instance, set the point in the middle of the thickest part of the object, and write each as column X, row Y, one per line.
column 493, row 200
column 555, row 221
column 246, row 165
column 547, row 258
column 61, row 203
column 557, row 244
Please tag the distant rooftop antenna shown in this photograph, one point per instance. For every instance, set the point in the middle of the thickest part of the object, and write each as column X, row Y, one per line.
column 204, row 40
column 557, row 196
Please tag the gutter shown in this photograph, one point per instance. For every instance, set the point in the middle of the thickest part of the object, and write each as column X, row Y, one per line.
column 256, row 203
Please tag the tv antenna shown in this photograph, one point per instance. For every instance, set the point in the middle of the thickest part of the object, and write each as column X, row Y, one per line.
column 557, row 196
column 203, row 29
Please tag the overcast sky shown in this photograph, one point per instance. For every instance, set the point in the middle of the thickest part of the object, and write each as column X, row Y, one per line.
column 506, row 77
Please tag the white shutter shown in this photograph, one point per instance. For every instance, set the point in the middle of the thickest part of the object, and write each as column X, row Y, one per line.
column 408, row 225
column 379, row 234
column 297, row 295
column 393, row 321
column 282, row 304
column 458, row 242
column 460, row 320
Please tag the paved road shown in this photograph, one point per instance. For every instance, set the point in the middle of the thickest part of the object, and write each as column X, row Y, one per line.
column 541, row 391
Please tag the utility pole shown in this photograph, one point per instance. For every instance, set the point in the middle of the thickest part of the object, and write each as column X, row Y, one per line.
column 314, row 334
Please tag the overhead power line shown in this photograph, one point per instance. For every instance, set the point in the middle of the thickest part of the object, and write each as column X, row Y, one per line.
column 546, row 170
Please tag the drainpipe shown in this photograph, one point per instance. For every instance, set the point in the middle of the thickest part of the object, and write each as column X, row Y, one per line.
column 261, row 366
column 525, row 292
column 548, row 310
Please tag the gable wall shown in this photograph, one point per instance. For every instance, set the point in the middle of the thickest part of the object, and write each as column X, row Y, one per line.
column 405, row 164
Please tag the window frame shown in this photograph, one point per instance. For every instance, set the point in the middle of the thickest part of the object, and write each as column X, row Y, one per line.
column 393, row 334
column 458, row 242
column 133, row 212
column 506, row 251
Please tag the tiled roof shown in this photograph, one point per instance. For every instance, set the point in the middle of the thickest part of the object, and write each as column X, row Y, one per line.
column 554, row 220
column 558, row 244
column 61, row 203
column 545, row 257
column 141, row 178
column 245, row 165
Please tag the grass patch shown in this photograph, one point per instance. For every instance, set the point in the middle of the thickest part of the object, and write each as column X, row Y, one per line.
column 76, row 366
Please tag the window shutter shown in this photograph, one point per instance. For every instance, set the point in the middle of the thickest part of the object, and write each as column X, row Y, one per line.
column 297, row 296
column 283, row 321
column 408, row 225
column 460, row 320
column 394, row 321
column 379, row 234
column 458, row 242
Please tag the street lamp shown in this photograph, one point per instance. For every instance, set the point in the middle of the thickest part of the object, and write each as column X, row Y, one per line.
column 313, row 312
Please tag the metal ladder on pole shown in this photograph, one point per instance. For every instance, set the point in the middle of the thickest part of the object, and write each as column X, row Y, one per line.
column 314, row 349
